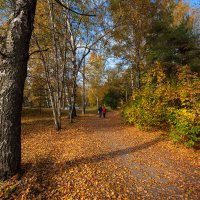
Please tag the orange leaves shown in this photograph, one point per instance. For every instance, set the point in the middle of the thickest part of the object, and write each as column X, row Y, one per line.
column 182, row 11
column 100, row 159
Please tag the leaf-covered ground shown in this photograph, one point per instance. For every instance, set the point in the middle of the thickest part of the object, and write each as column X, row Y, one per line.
column 97, row 158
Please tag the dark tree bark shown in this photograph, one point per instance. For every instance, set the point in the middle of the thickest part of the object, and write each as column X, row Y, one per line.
column 13, row 71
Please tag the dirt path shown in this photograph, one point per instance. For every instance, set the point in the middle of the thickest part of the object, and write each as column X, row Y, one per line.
column 139, row 164
column 102, row 159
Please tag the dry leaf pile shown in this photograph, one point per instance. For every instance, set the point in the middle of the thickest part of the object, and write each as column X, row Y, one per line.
column 101, row 159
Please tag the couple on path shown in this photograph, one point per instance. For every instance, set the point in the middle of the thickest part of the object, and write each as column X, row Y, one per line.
column 102, row 109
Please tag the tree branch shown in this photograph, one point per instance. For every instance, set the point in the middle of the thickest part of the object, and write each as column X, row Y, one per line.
column 38, row 51
column 85, row 47
column 68, row 8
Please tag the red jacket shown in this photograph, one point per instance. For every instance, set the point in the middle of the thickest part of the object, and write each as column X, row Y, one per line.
column 104, row 109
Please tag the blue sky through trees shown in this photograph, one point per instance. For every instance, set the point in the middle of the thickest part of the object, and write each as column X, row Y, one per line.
column 193, row 2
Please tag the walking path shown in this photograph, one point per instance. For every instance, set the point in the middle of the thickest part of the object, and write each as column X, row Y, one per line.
column 103, row 159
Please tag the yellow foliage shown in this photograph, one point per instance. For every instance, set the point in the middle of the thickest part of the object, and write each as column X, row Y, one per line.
column 172, row 104
column 180, row 12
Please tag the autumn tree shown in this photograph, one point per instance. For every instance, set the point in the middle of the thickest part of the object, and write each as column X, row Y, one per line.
column 83, row 35
column 118, row 86
column 36, row 92
column 133, row 20
column 56, row 62
column 95, row 74
column 14, row 54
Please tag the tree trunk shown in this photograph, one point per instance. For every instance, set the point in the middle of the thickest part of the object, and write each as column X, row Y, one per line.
column 126, row 93
column 13, row 70
column 83, row 95
column 57, row 122
column 97, row 98
column 73, row 101
column 132, row 78
column 47, row 98
column 64, row 99
column 138, row 76
column 73, row 109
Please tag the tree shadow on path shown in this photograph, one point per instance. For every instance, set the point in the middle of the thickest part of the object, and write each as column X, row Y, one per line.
column 46, row 169
column 108, row 155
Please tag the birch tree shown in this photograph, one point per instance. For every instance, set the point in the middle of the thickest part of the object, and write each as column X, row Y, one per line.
column 14, row 54
column 134, row 19
column 50, row 33
column 96, row 72
column 84, row 33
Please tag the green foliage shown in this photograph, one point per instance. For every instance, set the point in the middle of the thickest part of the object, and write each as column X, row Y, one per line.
column 112, row 98
column 168, row 105
column 172, row 41
column 139, row 112
column 185, row 126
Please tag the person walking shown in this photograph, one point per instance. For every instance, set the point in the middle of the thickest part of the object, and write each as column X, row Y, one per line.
column 104, row 111
column 100, row 111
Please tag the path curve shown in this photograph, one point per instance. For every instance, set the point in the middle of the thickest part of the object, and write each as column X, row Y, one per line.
column 103, row 159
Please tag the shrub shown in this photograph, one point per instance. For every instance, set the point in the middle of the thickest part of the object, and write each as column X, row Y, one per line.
column 139, row 112
column 112, row 98
column 171, row 105
column 184, row 126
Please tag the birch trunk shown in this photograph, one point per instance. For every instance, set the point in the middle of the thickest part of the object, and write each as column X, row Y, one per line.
column 57, row 124
column 83, row 95
column 13, row 71
column 138, row 78
column 57, row 96
column 97, row 98
column 73, row 101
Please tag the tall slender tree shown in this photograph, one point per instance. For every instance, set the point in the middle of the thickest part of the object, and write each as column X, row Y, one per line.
column 134, row 21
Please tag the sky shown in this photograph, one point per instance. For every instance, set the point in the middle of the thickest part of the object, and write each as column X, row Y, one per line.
column 193, row 3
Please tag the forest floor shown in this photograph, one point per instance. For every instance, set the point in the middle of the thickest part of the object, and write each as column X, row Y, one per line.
column 96, row 158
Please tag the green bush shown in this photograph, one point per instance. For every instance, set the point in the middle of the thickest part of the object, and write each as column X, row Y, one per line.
column 145, row 112
column 173, row 106
column 112, row 98
column 184, row 126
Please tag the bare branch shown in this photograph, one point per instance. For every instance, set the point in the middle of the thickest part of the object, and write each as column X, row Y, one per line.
column 68, row 8
column 38, row 51
column 86, row 47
